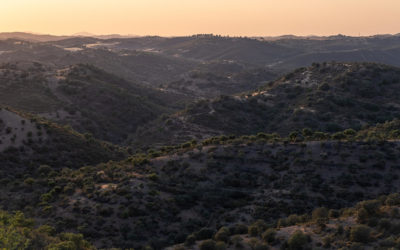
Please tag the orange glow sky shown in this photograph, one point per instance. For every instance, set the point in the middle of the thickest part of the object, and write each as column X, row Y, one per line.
column 185, row 17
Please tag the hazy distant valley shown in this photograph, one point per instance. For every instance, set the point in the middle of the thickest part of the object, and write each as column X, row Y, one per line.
column 199, row 142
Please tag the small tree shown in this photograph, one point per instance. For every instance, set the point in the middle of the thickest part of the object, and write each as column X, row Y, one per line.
column 307, row 132
column 208, row 245
column 204, row 233
column 222, row 234
column 293, row 136
column 269, row 235
column 190, row 240
column 253, row 231
column 393, row 200
column 360, row 233
column 220, row 245
column 297, row 241
column 320, row 213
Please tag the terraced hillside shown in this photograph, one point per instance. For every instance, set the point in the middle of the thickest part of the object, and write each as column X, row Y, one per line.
column 328, row 97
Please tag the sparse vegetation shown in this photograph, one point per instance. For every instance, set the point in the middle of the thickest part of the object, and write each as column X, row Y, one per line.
column 307, row 161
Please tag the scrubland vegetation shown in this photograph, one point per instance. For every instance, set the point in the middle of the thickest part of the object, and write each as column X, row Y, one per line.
column 154, row 198
column 190, row 143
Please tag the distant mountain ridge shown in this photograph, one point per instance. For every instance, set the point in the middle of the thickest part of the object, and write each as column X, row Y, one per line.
column 165, row 62
column 32, row 37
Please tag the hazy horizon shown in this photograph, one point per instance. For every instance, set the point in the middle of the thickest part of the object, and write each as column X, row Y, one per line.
column 181, row 18
column 88, row 34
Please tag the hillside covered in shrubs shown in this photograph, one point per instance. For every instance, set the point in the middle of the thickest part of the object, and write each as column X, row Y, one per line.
column 87, row 98
column 370, row 224
column 308, row 161
column 28, row 141
column 327, row 97
column 159, row 198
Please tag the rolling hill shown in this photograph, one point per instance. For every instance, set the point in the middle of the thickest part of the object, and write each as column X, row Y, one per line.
column 30, row 37
column 167, row 62
column 160, row 198
column 215, row 78
column 28, row 141
column 74, row 96
column 371, row 224
column 225, row 151
column 328, row 97
column 280, row 53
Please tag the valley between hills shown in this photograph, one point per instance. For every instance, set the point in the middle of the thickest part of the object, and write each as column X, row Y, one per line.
column 199, row 142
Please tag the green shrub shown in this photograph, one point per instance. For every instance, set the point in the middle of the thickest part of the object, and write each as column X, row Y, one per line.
column 46, row 229
column 190, row 240
column 222, row 234
column 204, row 233
column 269, row 235
column 360, row 233
column 333, row 213
column 362, row 215
column 153, row 177
column 208, row 245
column 18, row 232
column 298, row 241
column 350, row 132
column 237, row 241
column 260, row 225
column 65, row 245
column 393, row 199
column 320, row 213
column 29, row 181
column 220, row 245
column 293, row 136
column 261, row 246
column 253, row 231
column 367, row 210
column 339, row 136
column 388, row 242
column 44, row 169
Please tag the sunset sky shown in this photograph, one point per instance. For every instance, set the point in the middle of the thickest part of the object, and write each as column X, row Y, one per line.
column 185, row 17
